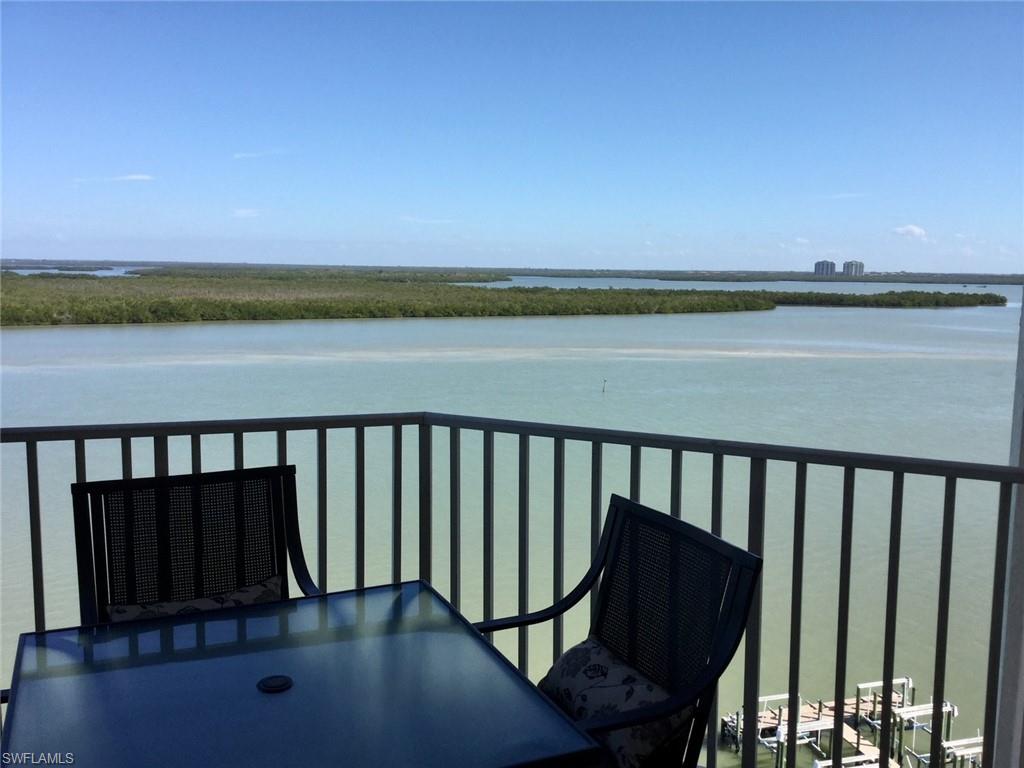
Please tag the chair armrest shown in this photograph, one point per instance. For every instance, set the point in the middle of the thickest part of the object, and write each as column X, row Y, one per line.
column 546, row 614
column 294, row 541
column 299, row 569
column 535, row 617
column 305, row 582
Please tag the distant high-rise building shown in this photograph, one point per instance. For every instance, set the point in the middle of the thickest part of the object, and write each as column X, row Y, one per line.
column 825, row 268
column 853, row 268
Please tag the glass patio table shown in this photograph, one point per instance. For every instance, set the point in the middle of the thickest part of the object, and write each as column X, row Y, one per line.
column 387, row 676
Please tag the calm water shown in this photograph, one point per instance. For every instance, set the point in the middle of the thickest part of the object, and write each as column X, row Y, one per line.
column 531, row 281
column 103, row 272
column 935, row 383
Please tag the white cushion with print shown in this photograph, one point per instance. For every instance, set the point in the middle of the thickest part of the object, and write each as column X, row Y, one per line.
column 267, row 591
column 589, row 681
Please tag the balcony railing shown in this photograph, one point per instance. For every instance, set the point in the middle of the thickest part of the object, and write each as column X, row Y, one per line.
column 500, row 452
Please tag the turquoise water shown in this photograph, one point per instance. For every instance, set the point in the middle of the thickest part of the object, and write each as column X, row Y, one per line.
column 934, row 383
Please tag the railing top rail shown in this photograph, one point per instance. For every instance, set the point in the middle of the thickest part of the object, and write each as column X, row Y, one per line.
column 873, row 461
column 869, row 461
column 209, row 427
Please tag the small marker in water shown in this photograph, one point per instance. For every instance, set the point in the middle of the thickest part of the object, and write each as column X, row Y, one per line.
column 604, row 386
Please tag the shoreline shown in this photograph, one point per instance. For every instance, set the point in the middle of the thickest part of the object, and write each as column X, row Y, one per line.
column 499, row 273
column 187, row 294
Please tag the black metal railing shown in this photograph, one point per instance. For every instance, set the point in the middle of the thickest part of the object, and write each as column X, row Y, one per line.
column 526, row 435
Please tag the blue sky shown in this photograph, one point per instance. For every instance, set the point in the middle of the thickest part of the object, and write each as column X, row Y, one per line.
column 679, row 136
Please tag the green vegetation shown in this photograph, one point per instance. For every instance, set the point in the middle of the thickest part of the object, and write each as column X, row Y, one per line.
column 196, row 293
column 491, row 274
column 887, row 300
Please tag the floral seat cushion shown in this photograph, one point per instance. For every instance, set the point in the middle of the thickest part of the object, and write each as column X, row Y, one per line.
column 589, row 681
column 267, row 591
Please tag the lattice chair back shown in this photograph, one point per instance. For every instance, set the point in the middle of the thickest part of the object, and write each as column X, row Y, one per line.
column 673, row 600
column 672, row 604
column 182, row 538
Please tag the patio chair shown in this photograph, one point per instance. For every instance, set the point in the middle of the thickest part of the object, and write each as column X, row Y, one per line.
column 165, row 545
column 671, row 609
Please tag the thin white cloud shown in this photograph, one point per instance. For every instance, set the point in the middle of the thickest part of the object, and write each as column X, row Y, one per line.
column 967, row 238
column 245, row 213
column 123, row 177
column 426, row 220
column 797, row 244
column 912, row 232
column 258, row 153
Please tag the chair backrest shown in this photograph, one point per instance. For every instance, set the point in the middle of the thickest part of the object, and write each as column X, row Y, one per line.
column 673, row 599
column 181, row 537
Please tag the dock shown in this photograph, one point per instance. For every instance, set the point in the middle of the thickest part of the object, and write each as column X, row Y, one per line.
column 862, row 719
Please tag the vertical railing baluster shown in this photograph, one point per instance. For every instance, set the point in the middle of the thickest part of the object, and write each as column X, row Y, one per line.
column 360, row 439
column 634, row 473
column 321, row 508
column 239, row 457
column 195, row 443
column 717, row 471
column 942, row 623
column 396, row 503
column 595, row 510
column 160, row 461
column 488, row 526
column 161, row 468
column 80, row 460
column 80, row 477
column 282, row 460
column 35, row 534
column 796, row 613
column 675, row 503
column 524, row 549
column 426, row 525
column 842, row 630
column 558, row 543
column 455, row 517
column 282, row 447
column 239, row 446
column 126, row 458
column 891, row 599
column 165, row 582
column 996, row 630
column 129, row 528
column 717, row 480
column 752, row 642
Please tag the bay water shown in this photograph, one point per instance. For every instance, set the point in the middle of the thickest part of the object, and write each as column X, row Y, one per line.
column 928, row 383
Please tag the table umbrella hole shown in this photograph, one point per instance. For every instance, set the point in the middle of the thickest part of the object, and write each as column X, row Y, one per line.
column 275, row 684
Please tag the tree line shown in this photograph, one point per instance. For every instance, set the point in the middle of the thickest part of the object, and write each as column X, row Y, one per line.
column 192, row 294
